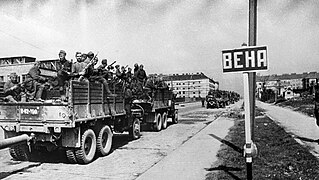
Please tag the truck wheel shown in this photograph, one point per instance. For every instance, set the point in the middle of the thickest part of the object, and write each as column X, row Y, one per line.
column 87, row 150
column 135, row 130
column 158, row 122
column 104, row 140
column 21, row 151
column 164, row 119
column 70, row 156
column 175, row 117
column 13, row 153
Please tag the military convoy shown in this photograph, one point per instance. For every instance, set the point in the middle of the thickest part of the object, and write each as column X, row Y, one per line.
column 157, row 111
column 220, row 99
column 84, row 125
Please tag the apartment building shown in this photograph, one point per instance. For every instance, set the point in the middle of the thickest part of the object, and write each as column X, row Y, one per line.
column 189, row 85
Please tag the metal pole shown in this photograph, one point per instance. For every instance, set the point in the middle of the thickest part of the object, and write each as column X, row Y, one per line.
column 249, row 90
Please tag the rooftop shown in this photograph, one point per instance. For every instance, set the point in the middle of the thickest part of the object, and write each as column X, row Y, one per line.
column 187, row 76
column 275, row 77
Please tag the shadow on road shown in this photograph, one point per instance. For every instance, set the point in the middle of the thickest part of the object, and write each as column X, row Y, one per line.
column 226, row 170
column 236, row 148
column 58, row 155
column 307, row 139
column 6, row 174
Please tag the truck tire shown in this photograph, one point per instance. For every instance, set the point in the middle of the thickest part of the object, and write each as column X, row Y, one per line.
column 87, row 150
column 158, row 122
column 175, row 117
column 164, row 119
column 13, row 153
column 135, row 130
column 70, row 155
column 21, row 152
column 104, row 141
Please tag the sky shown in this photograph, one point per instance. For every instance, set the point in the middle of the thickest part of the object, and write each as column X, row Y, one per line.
column 166, row 36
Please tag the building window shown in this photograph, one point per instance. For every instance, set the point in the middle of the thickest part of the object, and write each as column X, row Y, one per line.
column 193, row 92
column 183, row 92
column 1, row 78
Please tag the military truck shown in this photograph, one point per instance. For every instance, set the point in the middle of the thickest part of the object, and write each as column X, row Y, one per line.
column 157, row 109
column 211, row 102
column 83, row 126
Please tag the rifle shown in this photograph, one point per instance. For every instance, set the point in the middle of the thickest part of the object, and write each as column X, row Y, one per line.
column 111, row 64
column 87, row 67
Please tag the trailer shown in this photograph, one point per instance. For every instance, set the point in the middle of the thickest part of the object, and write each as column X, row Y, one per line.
column 158, row 109
column 83, row 126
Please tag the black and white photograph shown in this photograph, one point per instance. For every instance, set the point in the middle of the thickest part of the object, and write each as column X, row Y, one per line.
column 159, row 89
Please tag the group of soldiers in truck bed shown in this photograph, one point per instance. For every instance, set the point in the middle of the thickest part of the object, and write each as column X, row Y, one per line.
column 133, row 82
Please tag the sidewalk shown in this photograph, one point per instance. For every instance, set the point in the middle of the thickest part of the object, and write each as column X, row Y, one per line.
column 301, row 126
column 191, row 158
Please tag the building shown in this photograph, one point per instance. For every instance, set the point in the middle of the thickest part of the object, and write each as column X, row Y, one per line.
column 22, row 64
column 190, row 85
column 285, row 84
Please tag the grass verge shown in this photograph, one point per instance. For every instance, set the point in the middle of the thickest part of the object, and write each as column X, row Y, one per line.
column 280, row 156
column 301, row 104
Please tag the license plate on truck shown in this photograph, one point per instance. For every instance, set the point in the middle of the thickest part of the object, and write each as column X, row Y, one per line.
column 30, row 112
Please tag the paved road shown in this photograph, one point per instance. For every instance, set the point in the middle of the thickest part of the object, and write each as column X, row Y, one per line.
column 128, row 160
column 300, row 126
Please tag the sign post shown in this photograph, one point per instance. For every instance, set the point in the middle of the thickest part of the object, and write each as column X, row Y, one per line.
column 248, row 60
column 250, row 78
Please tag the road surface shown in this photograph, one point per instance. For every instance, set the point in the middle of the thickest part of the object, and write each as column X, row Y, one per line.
column 128, row 159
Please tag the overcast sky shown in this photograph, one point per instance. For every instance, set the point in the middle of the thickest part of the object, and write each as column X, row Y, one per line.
column 167, row 36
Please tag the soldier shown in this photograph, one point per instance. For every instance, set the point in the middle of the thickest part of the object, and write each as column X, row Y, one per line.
column 118, row 73
column 141, row 75
column 129, row 75
column 34, row 83
column 90, row 56
column 128, row 97
column 78, row 56
column 102, row 69
column 83, row 57
column 160, row 84
column 150, row 87
column 93, row 75
column 78, row 66
column 63, row 74
column 202, row 100
column 136, row 68
column 12, row 89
